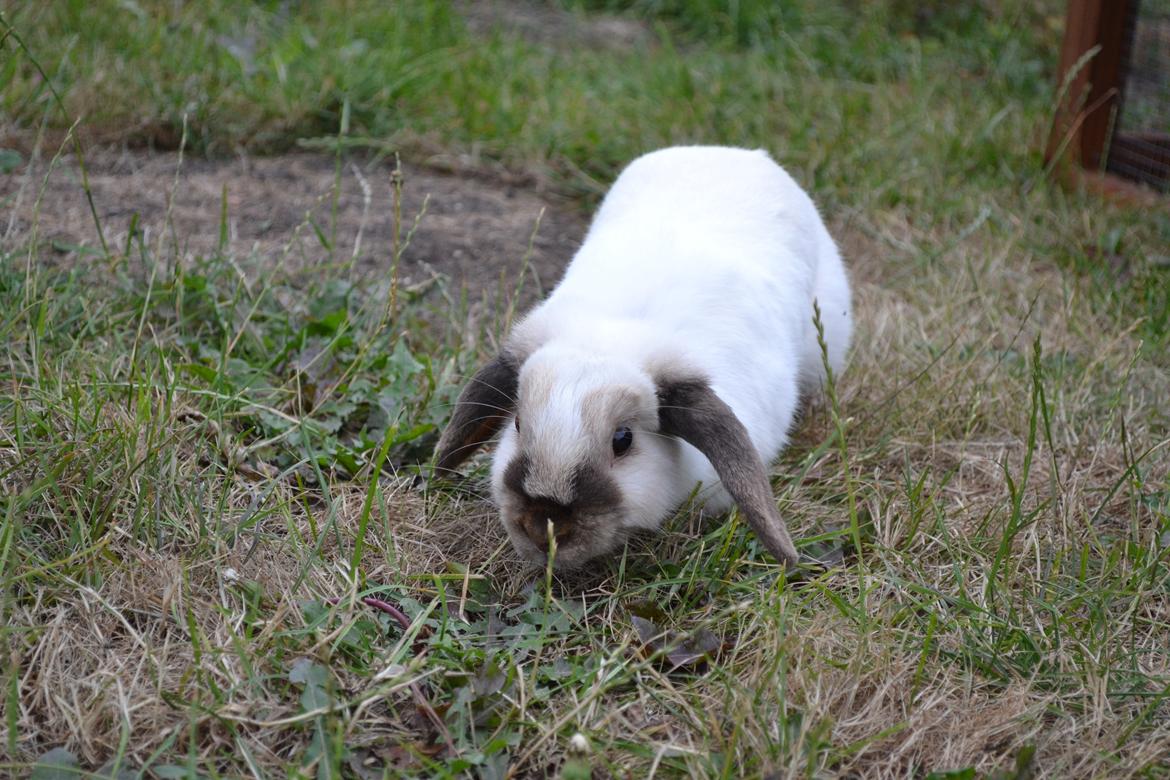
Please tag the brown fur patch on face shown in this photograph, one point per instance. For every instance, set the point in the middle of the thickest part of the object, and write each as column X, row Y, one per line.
column 594, row 490
column 515, row 475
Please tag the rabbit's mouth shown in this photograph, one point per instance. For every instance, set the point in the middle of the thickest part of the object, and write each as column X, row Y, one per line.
column 573, row 538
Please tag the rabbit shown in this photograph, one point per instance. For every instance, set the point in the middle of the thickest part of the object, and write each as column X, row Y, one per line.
column 672, row 354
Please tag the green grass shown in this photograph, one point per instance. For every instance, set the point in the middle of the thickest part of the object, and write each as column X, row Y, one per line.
column 250, row 75
column 188, row 447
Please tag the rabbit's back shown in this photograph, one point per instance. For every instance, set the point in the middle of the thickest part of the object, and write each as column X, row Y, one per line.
column 719, row 246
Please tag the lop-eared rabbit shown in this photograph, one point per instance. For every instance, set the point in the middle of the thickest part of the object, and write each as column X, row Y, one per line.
column 673, row 354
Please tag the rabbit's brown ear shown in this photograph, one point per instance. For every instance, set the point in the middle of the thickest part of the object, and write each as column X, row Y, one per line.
column 487, row 401
column 689, row 409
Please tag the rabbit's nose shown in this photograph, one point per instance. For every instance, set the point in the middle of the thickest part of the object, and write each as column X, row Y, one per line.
column 536, row 529
column 536, row 520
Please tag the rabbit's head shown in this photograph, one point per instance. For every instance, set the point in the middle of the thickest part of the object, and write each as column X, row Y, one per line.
column 590, row 446
column 583, row 459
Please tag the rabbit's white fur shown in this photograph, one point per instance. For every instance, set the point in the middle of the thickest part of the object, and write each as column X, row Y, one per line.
column 701, row 261
column 701, row 258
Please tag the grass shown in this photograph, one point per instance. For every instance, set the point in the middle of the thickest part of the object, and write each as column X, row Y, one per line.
column 188, row 445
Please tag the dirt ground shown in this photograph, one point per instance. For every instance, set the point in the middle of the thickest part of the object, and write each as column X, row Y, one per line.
column 474, row 228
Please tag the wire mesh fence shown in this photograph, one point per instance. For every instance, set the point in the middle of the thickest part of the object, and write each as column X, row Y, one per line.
column 1140, row 146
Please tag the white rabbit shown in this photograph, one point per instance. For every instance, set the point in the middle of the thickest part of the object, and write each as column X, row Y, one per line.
column 673, row 353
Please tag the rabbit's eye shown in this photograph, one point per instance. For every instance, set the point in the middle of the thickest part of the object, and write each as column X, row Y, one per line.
column 516, row 419
column 622, row 439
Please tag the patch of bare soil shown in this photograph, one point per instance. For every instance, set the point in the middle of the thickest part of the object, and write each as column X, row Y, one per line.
column 287, row 209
